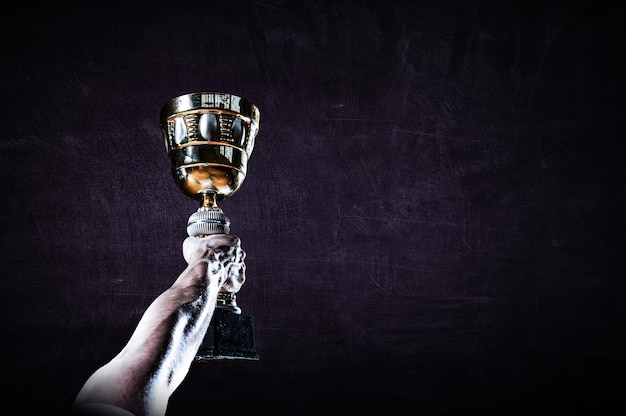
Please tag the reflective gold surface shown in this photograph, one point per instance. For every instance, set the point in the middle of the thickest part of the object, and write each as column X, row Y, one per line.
column 209, row 138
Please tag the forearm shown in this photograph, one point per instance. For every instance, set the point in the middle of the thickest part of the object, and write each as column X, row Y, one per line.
column 158, row 355
column 174, row 337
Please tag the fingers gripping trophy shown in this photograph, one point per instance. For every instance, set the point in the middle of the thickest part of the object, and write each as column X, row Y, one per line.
column 209, row 137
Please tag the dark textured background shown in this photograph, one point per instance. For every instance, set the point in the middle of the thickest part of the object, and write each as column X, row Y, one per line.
column 432, row 210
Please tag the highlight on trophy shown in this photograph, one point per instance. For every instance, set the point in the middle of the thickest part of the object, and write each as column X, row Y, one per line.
column 209, row 137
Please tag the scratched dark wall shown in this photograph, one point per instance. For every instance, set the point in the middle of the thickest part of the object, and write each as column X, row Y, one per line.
column 432, row 213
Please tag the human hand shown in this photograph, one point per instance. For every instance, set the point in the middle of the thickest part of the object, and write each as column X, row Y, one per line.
column 223, row 256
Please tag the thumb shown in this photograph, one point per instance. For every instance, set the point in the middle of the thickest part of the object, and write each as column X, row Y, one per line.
column 191, row 246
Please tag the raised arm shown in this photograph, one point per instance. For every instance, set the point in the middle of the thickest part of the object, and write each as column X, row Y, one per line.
column 156, row 359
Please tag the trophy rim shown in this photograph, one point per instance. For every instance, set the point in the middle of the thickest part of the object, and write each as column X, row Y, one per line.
column 196, row 101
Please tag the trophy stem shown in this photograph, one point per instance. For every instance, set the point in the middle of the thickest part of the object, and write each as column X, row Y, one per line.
column 209, row 200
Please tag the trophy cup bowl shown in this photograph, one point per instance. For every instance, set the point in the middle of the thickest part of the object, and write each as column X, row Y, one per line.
column 209, row 137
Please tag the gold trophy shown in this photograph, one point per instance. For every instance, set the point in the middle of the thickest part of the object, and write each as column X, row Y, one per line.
column 209, row 137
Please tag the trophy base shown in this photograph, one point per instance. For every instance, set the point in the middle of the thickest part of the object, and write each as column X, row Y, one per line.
column 230, row 337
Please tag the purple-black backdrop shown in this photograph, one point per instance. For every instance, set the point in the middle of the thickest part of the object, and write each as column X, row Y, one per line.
column 432, row 211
